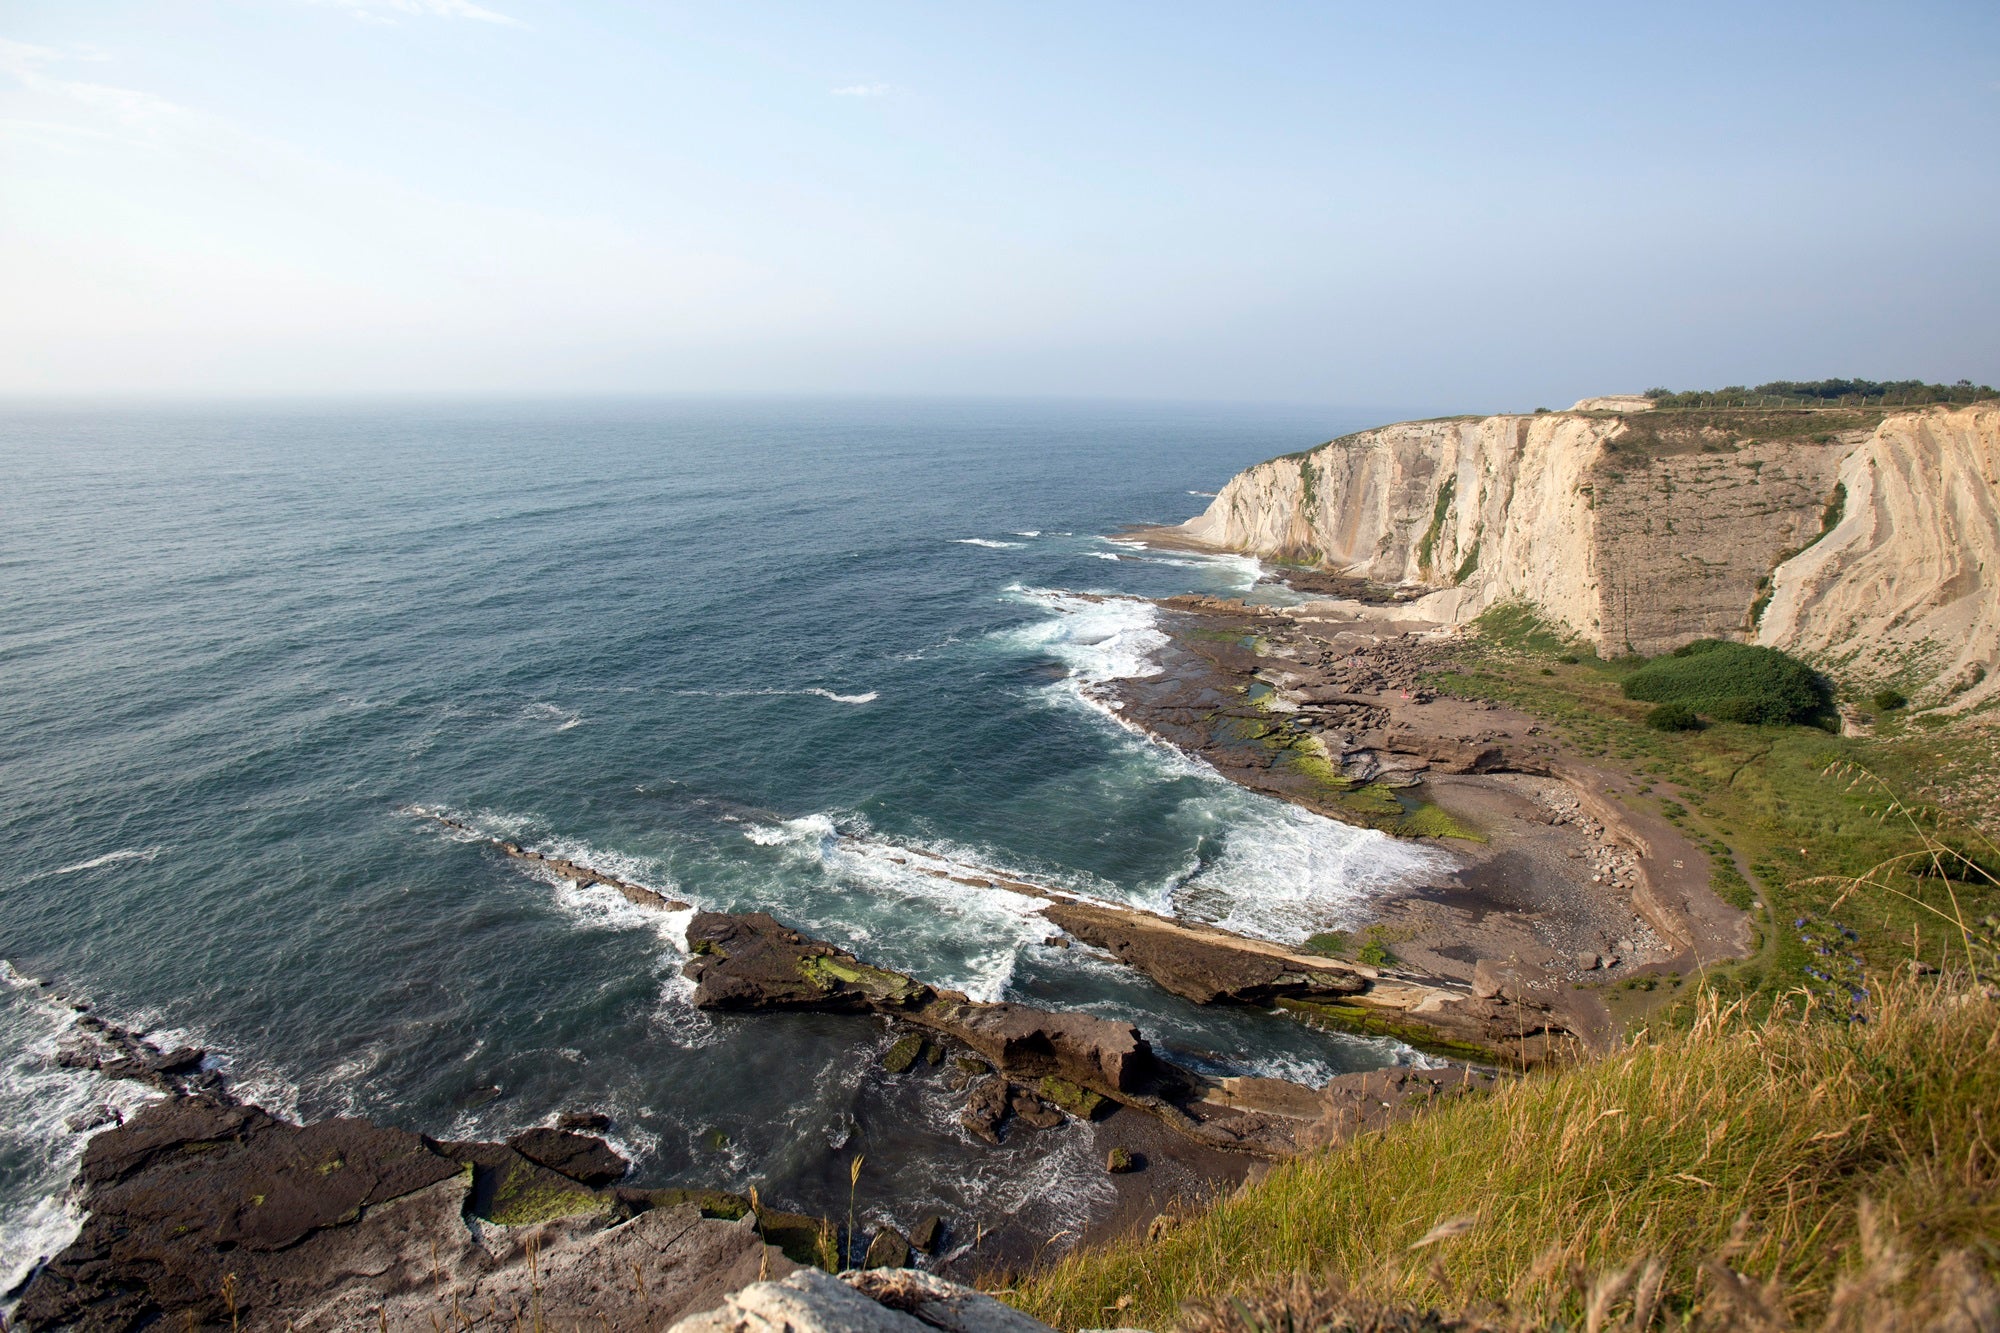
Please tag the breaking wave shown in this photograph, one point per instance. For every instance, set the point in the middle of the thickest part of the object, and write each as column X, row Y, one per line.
column 111, row 859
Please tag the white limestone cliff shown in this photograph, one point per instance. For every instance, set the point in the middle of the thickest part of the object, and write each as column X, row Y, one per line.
column 1640, row 533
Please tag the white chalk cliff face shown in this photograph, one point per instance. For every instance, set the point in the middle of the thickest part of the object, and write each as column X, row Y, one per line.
column 1639, row 534
column 1907, row 583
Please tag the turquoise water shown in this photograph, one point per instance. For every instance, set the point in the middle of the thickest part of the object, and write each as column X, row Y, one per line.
column 747, row 652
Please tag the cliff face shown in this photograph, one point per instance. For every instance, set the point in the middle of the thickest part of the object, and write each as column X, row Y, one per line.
column 1641, row 532
column 1907, row 584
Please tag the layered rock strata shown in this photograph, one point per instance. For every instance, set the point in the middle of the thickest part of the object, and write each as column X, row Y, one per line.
column 1045, row 1062
column 1874, row 538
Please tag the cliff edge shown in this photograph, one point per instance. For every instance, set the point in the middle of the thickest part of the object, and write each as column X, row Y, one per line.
column 1866, row 541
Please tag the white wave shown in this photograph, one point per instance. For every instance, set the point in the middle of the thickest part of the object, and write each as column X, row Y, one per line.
column 908, row 888
column 921, row 653
column 675, row 1014
column 815, row 690
column 1207, row 495
column 982, row 541
column 815, row 830
column 868, row 698
column 1061, row 1190
column 36, row 1096
column 1099, row 639
column 548, row 712
column 111, row 858
column 596, row 905
column 1286, row 873
column 1241, row 572
column 1032, row 532
column 1103, row 555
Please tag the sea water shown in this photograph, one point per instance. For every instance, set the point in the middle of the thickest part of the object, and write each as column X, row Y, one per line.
column 758, row 654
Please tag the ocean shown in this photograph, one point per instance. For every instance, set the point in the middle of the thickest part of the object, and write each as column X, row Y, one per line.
column 756, row 653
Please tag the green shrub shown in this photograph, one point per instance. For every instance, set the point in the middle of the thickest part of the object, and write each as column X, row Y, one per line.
column 1890, row 700
column 1734, row 682
column 1673, row 717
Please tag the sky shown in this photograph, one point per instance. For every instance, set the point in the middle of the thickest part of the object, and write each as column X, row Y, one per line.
column 1452, row 207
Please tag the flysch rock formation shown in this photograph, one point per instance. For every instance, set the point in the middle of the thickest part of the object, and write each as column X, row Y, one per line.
column 581, row 875
column 1639, row 532
column 205, row 1212
column 1031, row 1066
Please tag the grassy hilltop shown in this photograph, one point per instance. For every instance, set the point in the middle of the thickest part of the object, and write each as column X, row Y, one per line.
column 1812, row 1133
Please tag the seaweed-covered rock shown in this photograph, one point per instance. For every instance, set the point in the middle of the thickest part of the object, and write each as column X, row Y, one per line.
column 753, row 961
column 905, row 1051
column 1079, row 1101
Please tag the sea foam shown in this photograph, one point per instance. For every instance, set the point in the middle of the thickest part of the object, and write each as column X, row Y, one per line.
column 37, row 1095
column 111, row 859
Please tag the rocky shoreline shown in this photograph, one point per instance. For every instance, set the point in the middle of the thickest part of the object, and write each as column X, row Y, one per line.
column 1563, row 883
column 204, row 1209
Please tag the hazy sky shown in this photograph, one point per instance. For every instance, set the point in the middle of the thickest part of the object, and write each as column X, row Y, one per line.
column 1451, row 206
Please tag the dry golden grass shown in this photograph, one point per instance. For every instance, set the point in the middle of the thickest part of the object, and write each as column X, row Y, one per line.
column 1780, row 1148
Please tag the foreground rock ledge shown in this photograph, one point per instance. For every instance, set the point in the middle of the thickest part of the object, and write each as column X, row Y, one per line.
column 898, row 1300
column 207, row 1213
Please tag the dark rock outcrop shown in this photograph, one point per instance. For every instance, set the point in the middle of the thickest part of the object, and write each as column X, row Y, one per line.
column 208, row 1212
column 578, row 1156
column 752, row 961
column 1201, row 964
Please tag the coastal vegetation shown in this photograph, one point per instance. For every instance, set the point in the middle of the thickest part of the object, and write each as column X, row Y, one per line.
column 1801, row 1135
column 1790, row 816
column 1731, row 682
column 1826, row 393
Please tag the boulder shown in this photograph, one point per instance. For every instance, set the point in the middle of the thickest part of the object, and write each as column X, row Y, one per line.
column 1031, row 1110
column 578, row 1156
column 201, row 1211
column 1031, row 1043
column 753, row 961
column 986, row 1109
column 905, row 1051
column 888, row 1248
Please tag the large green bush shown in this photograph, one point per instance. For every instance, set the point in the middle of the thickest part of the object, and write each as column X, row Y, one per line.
column 1734, row 682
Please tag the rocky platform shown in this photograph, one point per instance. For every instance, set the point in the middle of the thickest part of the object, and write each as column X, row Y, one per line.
column 1564, row 877
column 1030, row 1067
column 205, row 1212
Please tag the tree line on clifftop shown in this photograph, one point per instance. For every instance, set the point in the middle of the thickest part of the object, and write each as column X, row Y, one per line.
column 1826, row 393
